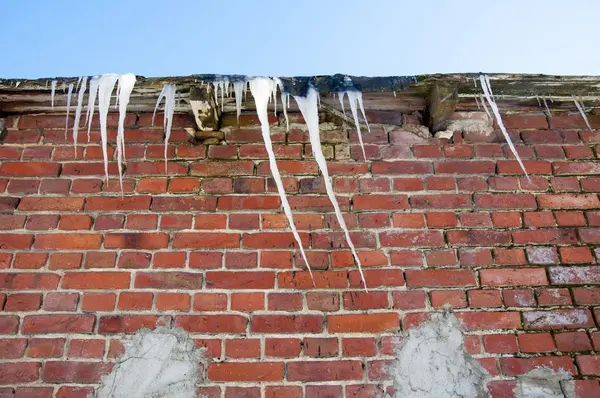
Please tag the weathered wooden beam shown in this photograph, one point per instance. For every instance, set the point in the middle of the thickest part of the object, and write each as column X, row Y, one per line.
column 441, row 104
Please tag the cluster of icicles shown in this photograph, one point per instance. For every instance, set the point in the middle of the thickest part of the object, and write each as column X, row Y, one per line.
column 264, row 90
column 101, row 88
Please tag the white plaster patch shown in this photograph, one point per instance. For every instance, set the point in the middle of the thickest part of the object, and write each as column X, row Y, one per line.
column 160, row 363
column 432, row 362
column 545, row 383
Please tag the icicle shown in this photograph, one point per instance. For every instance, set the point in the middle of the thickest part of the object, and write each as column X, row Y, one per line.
column 78, row 83
column 69, row 95
column 80, row 96
column 261, row 89
column 487, row 91
column 341, row 98
column 538, row 100
column 308, row 107
column 168, row 93
column 91, row 103
column 126, row 83
column 475, row 82
column 355, row 99
column 238, row 88
column 106, row 85
column 546, row 105
column 583, row 115
column 284, row 105
column 17, row 84
column 485, row 107
column 394, row 93
column 216, row 92
column 277, row 84
column 477, row 102
column 53, row 91
column 118, row 91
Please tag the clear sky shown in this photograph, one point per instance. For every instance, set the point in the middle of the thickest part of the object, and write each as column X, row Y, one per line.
column 43, row 38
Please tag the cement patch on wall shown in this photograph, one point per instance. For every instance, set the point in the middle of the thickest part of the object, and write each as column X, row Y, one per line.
column 432, row 362
column 545, row 383
column 157, row 363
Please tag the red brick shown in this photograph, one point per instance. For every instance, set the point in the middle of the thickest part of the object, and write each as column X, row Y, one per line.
column 282, row 347
column 96, row 280
column 72, row 323
column 68, row 241
column 538, row 342
column 242, row 348
column 34, row 281
column 484, row 298
column 130, row 323
column 172, row 302
column 23, row 302
column 363, row 323
column 490, row 320
column 500, row 343
column 98, row 302
column 319, row 347
column 513, row 277
column 240, row 280
column 544, row 237
column 437, row 278
column 19, row 372
column 573, row 341
column 324, row 371
column 210, row 302
column 168, row 280
column 441, row 201
column 135, row 301
column 212, row 323
column 15, row 241
column 287, row 324
column 558, row 319
column 30, row 260
column 206, row 240
column 88, row 348
column 144, row 241
column 323, row 301
column 29, row 169
column 74, row 372
column 443, row 298
column 409, row 300
column 589, row 365
column 58, row 301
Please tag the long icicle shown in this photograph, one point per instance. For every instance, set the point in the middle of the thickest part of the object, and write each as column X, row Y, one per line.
column 262, row 89
column 353, row 99
column 238, row 88
column 80, row 96
column 106, row 86
column 126, row 83
column 91, row 103
column 583, row 115
column 168, row 93
column 487, row 91
column 52, row 91
column 69, row 96
column 309, row 109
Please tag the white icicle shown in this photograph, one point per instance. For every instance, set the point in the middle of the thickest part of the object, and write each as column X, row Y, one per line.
column 106, row 85
column 126, row 83
column 262, row 89
column 284, row 102
column 53, row 91
column 353, row 98
column 538, row 100
column 78, row 83
column 238, row 88
column 477, row 102
column 80, row 96
column 341, row 98
column 69, row 95
column 583, row 115
column 485, row 108
column 309, row 109
column 168, row 93
column 546, row 105
column 91, row 103
column 487, row 91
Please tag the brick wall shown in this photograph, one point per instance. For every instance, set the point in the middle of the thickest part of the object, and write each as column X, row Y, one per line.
column 207, row 249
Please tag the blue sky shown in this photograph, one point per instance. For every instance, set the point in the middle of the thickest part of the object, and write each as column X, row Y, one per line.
column 308, row 37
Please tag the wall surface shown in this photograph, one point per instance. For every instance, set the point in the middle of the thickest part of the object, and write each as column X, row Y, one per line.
column 207, row 249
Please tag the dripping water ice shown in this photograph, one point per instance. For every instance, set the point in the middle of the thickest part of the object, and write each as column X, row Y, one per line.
column 581, row 111
column 126, row 83
column 309, row 109
column 168, row 93
column 80, row 96
column 262, row 89
column 546, row 105
column 355, row 99
column 285, row 102
column 487, row 91
column 91, row 103
column 52, row 91
column 69, row 95
column 238, row 88
column 106, row 85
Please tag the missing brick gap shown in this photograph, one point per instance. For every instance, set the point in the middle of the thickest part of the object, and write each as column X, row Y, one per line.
column 544, row 382
column 157, row 363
